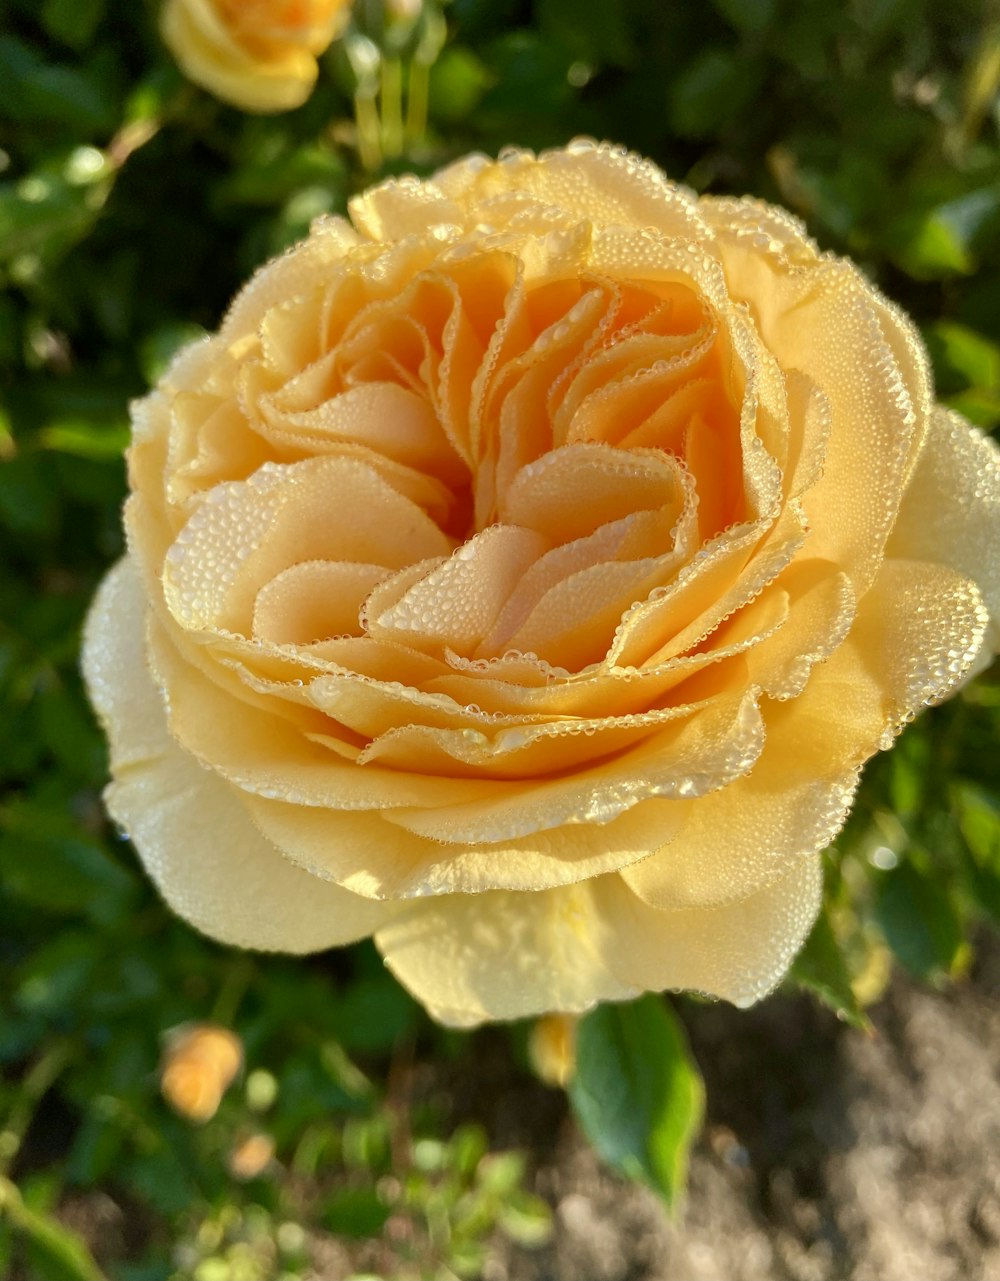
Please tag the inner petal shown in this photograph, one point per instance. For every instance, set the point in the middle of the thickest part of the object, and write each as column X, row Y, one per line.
column 456, row 604
column 246, row 532
column 570, row 492
column 314, row 600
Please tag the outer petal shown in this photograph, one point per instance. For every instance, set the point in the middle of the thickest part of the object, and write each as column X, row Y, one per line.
column 505, row 955
column 584, row 181
column 745, row 836
column 209, row 861
column 739, row 951
column 826, row 321
column 915, row 635
column 950, row 513
column 364, row 854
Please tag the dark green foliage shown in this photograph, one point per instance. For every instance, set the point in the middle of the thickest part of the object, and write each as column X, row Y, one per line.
column 132, row 206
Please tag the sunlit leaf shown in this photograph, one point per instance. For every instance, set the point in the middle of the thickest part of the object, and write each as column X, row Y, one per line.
column 821, row 968
column 637, row 1092
column 920, row 922
column 979, row 822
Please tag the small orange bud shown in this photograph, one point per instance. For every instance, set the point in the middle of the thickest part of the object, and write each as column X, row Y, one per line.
column 552, row 1048
column 199, row 1063
column 251, row 1156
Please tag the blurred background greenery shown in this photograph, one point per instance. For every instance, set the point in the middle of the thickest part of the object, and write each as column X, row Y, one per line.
column 132, row 206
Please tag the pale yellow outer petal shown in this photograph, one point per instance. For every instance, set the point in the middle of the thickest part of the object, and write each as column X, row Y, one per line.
column 739, row 951
column 916, row 633
column 584, row 182
column 825, row 320
column 950, row 513
column 209, row 861
column 505, row 955
column 209, row 56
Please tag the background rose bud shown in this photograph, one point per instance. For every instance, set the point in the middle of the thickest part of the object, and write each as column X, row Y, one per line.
column 552, row 1048
column 200, row 1062
column 259, row 55
column 523, row 575
column 251, row 1156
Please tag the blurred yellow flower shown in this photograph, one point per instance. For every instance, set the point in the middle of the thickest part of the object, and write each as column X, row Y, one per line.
column 200, row 1062
column 523, row 575
column 251, row 1156
column 259, row 55
column 552, row 1048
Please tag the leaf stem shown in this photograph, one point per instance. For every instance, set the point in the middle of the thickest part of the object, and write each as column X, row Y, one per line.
column 232, row 991
column 75, row 1260
column 369, row 130
column 392, row 107
column 37, row 1081
column 416, row 103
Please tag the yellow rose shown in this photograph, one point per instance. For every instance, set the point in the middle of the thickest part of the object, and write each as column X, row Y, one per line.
column 523, row 575
column 256, row 54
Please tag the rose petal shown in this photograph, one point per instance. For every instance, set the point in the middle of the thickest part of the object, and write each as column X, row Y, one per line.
column 364, row 854
column 314, row 600
column 246, row 532
column 209, row 55
column 264, row 752
column 456, row 604
column 950, row 514
column 793, row 802
column 504, row 955
column 828, row 322
column 587, row 180
column 194, row 837
column 690, row 756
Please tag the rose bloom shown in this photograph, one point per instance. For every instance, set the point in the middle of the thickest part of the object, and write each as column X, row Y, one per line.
column 523, row 575
column 256, row 54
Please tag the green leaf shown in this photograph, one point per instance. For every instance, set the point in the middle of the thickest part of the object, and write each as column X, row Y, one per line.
column 72, row 21
column 47, row 861
column 501, row 1173
column 712, row 89
column 592, row 30
column 56, row 976
column 980, row 407
column 75, row 98
column 85, row 440
column 469, row 1145
column 943, row 241
column 637, row 1092
column 458, row 81
column 373, row 1014
column 69, row 731
column 96, row 1147
column 45, row 214
column 526, row 1219
column 966, row 353
column 163, row 1178
column 821, row 968
column 909, row 769
column 747, row 15
column 29, row 507
column 919, row 920
column 979, row 823
column 356, row 1212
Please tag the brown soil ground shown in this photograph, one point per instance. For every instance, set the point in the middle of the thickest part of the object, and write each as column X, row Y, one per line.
column 828, row 1155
